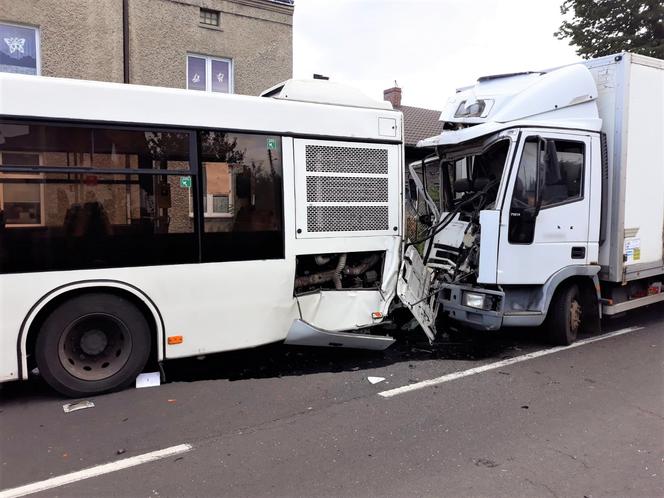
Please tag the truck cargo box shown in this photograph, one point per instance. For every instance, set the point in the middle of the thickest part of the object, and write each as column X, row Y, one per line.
column 631, row 105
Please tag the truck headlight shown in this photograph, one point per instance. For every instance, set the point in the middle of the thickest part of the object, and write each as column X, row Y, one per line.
column 476, row 300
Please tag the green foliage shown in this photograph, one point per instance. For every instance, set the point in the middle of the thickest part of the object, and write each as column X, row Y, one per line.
column 603, row 27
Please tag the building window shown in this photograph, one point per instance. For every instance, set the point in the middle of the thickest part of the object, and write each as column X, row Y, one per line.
column 209, row 17
column 210, row 74
column 19, row 49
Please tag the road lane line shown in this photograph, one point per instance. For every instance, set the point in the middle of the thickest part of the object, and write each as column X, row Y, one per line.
column 499, row 364
column 98, row 470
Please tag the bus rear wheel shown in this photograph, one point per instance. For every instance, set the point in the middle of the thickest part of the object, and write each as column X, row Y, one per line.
column 92, row 344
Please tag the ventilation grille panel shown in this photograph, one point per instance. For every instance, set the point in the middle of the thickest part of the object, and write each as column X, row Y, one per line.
column 327, row 159
column 347, row 218
column 346, row 189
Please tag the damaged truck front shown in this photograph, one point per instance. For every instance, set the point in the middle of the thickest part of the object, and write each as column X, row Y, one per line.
column 541, row 197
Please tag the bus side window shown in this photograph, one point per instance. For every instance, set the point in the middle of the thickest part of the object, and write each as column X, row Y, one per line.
column 112, row 197
column 242, row 203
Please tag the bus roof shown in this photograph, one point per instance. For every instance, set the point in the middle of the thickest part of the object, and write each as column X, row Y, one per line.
column 43, row 97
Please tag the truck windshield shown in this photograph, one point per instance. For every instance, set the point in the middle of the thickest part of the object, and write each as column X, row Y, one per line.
column 469, row 171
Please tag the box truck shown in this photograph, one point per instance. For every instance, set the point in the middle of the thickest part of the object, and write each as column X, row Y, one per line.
column 551, row 207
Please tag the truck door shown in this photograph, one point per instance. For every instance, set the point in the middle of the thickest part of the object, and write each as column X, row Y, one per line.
column 544, row 220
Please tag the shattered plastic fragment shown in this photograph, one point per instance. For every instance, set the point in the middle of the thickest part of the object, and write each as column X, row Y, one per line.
column 149, row 379
column 79, row 405
column 375, row 380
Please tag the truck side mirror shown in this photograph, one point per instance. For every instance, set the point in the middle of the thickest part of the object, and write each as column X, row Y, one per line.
column 543, row 145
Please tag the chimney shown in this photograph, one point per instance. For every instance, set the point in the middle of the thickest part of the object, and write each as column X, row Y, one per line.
column 393, row 95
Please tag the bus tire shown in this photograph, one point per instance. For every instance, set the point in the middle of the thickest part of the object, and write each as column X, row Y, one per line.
column 565, row 316
column 92, row 344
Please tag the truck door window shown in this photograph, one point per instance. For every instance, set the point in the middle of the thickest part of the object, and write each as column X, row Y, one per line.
column 525, row 187
column 564, row 174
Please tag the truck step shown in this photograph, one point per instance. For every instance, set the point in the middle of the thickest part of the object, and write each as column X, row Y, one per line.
column 614, row 309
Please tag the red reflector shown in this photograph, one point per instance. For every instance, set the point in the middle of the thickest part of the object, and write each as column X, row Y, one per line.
column 376, row 315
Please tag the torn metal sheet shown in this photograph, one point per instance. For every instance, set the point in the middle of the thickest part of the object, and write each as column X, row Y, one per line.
column 78, row 405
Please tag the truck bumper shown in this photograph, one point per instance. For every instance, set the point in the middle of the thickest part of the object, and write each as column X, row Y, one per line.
column 451, row 300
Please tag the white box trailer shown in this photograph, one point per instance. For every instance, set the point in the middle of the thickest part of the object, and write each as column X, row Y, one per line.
column 552, row 197
column 631, row 106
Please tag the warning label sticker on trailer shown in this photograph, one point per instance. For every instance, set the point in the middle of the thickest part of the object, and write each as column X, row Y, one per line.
column 632, row 250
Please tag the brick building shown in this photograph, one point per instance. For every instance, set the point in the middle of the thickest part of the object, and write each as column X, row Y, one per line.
column 232, row 46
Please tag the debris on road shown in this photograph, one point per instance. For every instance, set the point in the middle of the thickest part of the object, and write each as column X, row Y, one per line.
column 78, row 405
column 375, row 380
column 149, row 379
column 120, row 451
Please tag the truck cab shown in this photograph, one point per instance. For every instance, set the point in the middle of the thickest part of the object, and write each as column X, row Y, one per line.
column 517, row 227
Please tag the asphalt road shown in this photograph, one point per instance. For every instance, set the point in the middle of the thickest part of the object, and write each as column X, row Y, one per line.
column 283, row 421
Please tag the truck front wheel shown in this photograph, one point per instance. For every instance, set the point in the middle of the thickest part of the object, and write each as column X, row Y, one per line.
column 565, row 316
column 92, row 344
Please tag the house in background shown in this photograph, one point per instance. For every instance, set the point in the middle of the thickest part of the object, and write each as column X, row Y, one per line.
column 419, row 123
column 230, row 46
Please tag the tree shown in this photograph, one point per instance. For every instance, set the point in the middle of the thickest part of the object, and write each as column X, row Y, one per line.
column 603, row 27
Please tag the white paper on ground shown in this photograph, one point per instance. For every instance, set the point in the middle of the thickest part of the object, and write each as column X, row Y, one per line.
column 78, row 405
column 149, row 379
column 375, row 380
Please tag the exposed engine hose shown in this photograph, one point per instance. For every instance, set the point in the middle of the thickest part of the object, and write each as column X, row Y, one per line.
column 363, row 266
column 321, row 260
column 450, row 216
column 336, row 278
column 335, row 274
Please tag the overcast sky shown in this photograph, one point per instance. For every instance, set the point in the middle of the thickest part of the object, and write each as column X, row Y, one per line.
column 430, row 47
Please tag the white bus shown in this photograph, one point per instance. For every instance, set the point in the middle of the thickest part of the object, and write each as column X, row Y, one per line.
column 142, row 223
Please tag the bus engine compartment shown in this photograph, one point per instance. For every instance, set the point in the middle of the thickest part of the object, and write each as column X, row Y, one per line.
column 338, row 271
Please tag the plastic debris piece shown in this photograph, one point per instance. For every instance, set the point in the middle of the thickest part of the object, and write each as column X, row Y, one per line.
column 78, row 405
column 149, row 379
column 375, row 380
column 172, row 400
column 120, row 451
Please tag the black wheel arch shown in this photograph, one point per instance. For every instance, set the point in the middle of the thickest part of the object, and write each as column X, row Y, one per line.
column 50, row 301
column 588, row 286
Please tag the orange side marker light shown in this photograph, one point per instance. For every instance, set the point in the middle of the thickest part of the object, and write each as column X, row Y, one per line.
column 174, row 339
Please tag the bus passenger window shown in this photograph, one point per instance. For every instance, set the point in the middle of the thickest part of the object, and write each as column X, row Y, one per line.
column 242, row 203
column 111, row 197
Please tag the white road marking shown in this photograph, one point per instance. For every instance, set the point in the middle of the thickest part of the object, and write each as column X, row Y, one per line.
column 499, row 364
column 98, row 470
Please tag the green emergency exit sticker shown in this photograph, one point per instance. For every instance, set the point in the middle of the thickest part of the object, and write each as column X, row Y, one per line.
column 185, row 181
column 271, row 144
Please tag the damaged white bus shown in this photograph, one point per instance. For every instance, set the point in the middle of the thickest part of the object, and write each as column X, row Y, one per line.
column 142, row 223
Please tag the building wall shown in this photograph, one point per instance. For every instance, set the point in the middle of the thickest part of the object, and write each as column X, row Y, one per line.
column 83, row 39
column 78, row 38
column 258, row 40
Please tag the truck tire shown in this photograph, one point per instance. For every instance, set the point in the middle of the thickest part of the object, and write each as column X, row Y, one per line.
column 565, row 316
column 92, row 344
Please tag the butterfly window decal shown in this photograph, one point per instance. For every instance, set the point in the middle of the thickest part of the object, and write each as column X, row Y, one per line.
column 15, row 45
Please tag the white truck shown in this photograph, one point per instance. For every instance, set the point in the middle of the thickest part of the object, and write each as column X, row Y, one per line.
column 551, row 203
